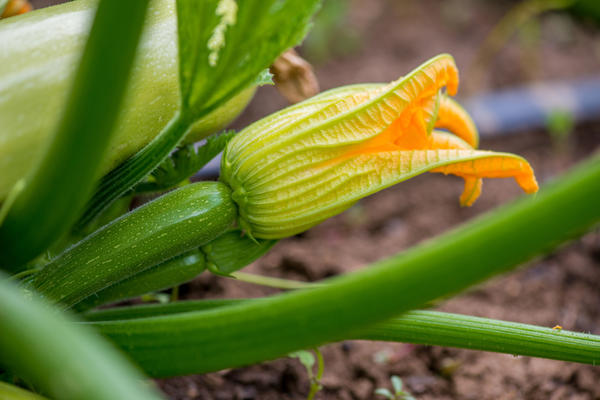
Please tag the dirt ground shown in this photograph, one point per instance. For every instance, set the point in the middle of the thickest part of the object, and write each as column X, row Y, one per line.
column 561, row 288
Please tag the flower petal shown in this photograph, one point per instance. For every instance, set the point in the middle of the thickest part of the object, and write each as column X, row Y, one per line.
column 453, row 117
column 307, row 197
column 348, row 121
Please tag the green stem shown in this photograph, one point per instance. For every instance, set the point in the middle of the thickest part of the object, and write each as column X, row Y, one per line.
column 156, row 310
column 55, row 194
column 315, row 384
column 419, row 327
column 260, row 330
column 117, row 182
column 278, row 283
column 454, row 330
column 65, row 360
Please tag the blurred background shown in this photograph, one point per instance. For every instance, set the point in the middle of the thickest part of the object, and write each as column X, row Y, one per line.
column 530, row 75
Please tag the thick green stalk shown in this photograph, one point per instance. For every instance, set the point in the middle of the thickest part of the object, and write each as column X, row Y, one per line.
column 177, row 222
column 54, row 195
column 420, row 327
column 261, row 330
column 65, row 360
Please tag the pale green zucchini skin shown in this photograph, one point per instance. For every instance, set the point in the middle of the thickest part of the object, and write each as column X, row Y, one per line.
column 170, row 225
column 39, row 52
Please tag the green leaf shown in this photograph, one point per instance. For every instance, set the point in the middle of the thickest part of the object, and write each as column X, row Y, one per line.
column 185, row 162
column 396, row 384
column 385, row 393
column 305, row 357
column 253, row 331
column 67, row 361
column 225, row 44
column 264, row 78
column 54, row 196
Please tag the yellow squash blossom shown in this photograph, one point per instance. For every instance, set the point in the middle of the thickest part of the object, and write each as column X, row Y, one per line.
column 308, row 162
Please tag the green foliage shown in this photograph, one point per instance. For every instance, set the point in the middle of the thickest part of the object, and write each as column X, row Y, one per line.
column 332, row 34
column 243, row 39
column 398, row 393
column 307, row 359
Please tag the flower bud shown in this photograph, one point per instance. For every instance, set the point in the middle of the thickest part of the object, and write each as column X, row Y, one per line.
column 295, row 168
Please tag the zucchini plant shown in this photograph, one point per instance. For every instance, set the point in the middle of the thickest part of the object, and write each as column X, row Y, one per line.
column 139, row 103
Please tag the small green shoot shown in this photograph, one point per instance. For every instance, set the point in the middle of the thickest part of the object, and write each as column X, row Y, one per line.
column 398, row 393
column 307, row 359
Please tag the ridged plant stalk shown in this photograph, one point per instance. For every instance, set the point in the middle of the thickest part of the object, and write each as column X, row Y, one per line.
column 419, row 327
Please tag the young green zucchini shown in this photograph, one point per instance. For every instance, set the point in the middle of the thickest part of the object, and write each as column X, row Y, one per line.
column 39, row 53
column 160, row 230
column 225, row 254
